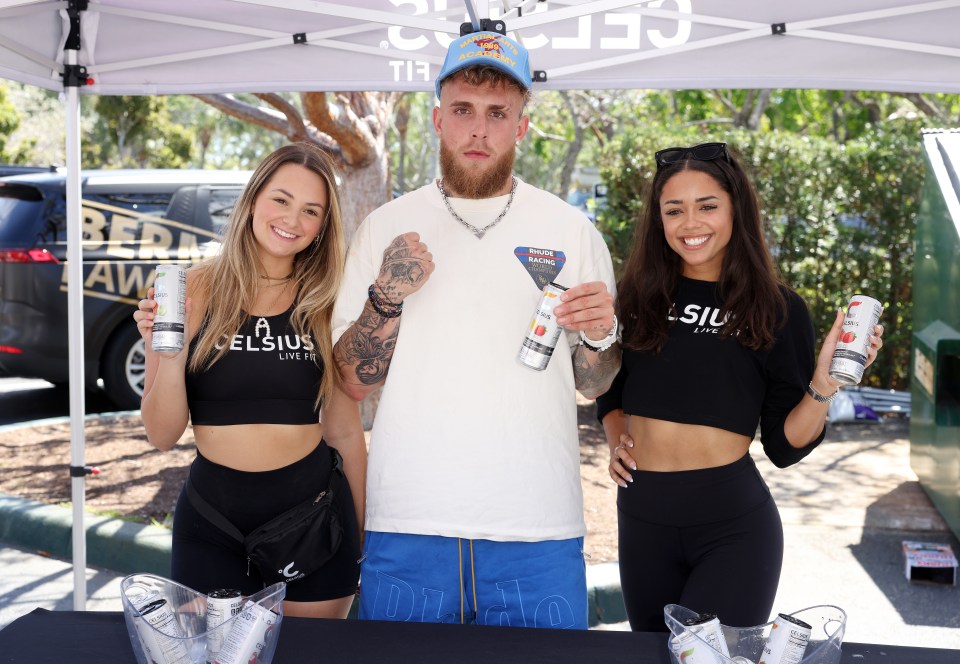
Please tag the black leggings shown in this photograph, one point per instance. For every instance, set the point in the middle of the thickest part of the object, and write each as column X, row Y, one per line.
column 710, row 540
column 205, row 558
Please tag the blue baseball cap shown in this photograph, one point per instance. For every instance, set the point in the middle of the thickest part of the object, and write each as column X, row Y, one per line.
column 487, row 48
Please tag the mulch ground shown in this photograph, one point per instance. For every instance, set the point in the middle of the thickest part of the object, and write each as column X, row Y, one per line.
column 141, row 483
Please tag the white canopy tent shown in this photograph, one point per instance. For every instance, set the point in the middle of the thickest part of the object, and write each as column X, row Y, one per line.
column 113, row 47
column 187, row 46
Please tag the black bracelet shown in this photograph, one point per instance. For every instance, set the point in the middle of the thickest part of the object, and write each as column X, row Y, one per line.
column 381, row 306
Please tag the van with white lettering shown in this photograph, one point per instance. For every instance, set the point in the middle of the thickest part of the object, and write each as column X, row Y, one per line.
column 131, row 221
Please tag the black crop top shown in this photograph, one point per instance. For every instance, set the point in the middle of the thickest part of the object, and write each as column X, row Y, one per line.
column 700, row 377
column 270, row 375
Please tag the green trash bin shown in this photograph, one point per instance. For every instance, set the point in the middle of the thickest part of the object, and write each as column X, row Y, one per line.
column 935, row 375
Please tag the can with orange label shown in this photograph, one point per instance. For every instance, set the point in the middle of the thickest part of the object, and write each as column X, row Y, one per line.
column 543, row 333
column 850, row 357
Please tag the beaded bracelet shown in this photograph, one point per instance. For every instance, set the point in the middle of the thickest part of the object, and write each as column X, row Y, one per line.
column 381, row 306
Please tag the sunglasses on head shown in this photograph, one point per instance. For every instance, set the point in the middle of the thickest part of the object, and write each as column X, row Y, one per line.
column 702, row 152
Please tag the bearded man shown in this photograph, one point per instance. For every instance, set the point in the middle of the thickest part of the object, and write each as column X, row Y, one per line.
column 474, row 508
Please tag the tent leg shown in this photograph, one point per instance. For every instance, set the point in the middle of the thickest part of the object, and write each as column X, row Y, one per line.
column 75, row 332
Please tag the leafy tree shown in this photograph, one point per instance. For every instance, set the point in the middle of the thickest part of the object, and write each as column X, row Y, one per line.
column 9, row 121
column 222, row 141
column 413, row 142
column 137, row 132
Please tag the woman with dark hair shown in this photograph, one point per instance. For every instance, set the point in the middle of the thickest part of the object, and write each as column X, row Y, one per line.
column 257, row 380
column 714, row 344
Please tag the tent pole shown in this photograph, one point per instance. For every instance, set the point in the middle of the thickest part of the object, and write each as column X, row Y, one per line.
column 75, row 332
column 472, row 12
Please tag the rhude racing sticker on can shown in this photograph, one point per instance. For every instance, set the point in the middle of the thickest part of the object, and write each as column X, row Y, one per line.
column 543, row 265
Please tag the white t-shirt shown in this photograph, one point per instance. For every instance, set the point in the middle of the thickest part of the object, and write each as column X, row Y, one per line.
column 467, row 441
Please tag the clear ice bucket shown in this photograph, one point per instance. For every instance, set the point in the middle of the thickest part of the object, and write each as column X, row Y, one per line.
column 181, row 635
column 746, row 643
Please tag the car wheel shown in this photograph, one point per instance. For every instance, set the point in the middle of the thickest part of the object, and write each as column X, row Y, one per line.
column 123, row 368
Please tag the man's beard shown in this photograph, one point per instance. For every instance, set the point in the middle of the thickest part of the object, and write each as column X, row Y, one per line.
column 478, row 182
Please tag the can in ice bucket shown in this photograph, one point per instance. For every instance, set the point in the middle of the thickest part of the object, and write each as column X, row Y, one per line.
column 251, row 630
column 543, row 333
column 222, row 605
column 850, row 357
column 787, row 642
column 690, row 649
column 170, row 293
column 163, row 642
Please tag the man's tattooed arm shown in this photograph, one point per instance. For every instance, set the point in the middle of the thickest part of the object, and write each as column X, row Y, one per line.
column 593, row 372
column 364, row 352
column 406, row 266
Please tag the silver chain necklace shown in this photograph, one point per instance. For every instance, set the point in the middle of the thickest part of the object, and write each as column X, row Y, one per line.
column 479, row 232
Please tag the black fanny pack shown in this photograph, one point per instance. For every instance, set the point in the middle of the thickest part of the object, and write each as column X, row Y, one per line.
column 293, row 544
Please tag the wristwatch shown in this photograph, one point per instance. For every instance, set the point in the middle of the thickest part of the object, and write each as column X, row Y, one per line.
column 603, row 344
column 819, row 397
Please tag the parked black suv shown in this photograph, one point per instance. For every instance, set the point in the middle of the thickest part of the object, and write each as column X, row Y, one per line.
column 132, row 220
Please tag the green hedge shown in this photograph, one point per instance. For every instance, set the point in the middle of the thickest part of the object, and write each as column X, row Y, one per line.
column 840, row 218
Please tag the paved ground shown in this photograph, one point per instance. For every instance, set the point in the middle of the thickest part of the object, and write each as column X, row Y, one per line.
column 846, row 510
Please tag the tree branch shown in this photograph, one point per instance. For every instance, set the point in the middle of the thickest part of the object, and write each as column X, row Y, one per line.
column 247, row 113
column 291, row 112
column 293, row 128
column 927, row 106
column 341, row 123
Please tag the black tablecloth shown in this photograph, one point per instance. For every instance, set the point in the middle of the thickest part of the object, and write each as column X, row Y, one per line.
column 43, row 637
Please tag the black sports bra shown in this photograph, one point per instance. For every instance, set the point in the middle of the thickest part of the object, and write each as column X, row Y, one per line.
column 270, row 375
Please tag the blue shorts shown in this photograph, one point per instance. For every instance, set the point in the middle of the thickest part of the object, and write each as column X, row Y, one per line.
column 423, row 578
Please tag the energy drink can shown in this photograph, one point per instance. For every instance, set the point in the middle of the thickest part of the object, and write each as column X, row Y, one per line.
column 222, row 605
column 252, row 629
column 707, row 626
column 787, row 642
column 688, row 649
column 543, row 334
column 170, row 293
column 689, row 646
column 850, row 357
column 160, row 633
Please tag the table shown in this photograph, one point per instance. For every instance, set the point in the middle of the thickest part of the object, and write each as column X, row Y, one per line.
column 54, row 637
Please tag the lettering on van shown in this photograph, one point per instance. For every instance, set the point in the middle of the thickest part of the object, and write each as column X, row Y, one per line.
column 133, row 243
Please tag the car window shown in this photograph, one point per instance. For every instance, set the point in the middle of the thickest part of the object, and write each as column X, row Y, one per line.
column 220, row 206
column 142, row 203
column 114, row 225
column 21, row 215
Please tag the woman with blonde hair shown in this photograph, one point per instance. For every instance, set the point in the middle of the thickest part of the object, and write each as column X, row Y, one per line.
column 272, row 426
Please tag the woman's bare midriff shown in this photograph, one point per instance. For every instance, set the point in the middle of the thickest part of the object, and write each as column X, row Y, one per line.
column 257, row 447
column 664, row 446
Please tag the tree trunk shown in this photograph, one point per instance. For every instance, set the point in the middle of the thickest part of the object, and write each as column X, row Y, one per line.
column 573, row 149
column 363, row 190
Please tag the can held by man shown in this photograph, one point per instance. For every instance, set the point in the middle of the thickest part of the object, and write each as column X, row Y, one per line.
column 787, row 641
column 170, row 293
column 850, row 357
column 543, row 333
column 222, row 605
